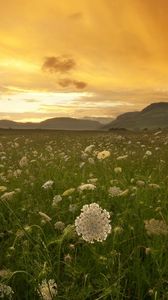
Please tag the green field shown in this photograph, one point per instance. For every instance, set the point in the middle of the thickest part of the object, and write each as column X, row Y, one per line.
column 131, row 184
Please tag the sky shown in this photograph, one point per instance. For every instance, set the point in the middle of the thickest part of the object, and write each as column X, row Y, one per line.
column 71, row 58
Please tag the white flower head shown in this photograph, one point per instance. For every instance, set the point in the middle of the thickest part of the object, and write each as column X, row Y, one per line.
column 93, row 223
column 56, row 200
column 48, row 184
column 103, row 154
column 6, row 291
column 114, row 191
column 86, row 186
column 156, row 227
column 48, row 289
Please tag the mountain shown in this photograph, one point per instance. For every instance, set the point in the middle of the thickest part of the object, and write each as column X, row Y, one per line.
column 102, row 120
column 54, row 123
column 153, row 116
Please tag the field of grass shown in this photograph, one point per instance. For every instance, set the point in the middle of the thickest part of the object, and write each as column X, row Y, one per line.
column 43, row 259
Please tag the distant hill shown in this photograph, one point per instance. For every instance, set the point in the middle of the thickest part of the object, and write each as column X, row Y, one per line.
column 153, row 116
column 54, row 123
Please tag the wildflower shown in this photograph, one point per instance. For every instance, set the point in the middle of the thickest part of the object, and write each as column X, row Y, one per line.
column 68, row 258
column 93, row 223
column 140, row 183
column 148, row 250
column 48, row 184
column 114, row 191
column 117, row 170
column 72, row 208
column 123, row 157
column 154, row 186
column 59, row 225
column 148, row 153
column 68, row 192
column 118, row 230
column 56, row 200
column 5, row 273
column 86, row 186
column 156, row 227
column 48, row 289
column 23, row 162
column 7, row 195
column 81, row 164
column 103, row 154
column 3, row 188
column 5, row 291
column 44, row 216
column 89, row 148
column 91, row 161
column 92, row 180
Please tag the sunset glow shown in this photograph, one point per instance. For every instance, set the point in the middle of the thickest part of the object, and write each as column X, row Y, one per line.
column 79, row 58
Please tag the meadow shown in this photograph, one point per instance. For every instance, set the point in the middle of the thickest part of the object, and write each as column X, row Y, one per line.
column 46, row 177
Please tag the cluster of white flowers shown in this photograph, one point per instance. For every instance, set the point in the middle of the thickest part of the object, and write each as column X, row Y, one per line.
column 86, row 186
column 8, row 196
column 48, row 289
column 93, row 224
column 89, row 148
column 23, row 162
column 48, row 184
column 45, row 217
column 56, row 200
column 5, row 291
column 103, row 154
column 114, row 191
column 123, row 157
column 156, row 227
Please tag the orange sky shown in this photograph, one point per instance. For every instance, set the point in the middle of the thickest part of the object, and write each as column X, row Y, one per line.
column 81, row 58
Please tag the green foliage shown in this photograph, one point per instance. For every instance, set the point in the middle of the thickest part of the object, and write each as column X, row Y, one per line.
column 130, row 264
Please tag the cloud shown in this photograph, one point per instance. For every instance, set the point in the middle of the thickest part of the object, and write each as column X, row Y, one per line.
column 58, row 64
column 66, row 82
column 76, row 16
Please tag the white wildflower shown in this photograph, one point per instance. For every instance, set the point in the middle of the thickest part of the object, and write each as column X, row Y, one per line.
column 5, row 291
column 48, row 184
column 48, row 289
column 45, row 217
column 148, row 153
column 156, row 227
column 8, row 196
column 56, row 200
column 89, row 148
column 23, row 162
column 114, row 191
column 59, row 225
column 123, row 157
column 93, row 223
column 86, row 186
column 103, row 154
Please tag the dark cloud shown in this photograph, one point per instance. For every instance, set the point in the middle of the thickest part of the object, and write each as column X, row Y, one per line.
column 76, row 16
column 58, row 64
column 66, row 82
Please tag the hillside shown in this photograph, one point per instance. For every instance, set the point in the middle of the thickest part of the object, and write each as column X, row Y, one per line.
column 153, row 116
column 54, row 123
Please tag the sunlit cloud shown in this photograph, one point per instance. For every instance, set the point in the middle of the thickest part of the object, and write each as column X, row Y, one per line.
column 72, row 58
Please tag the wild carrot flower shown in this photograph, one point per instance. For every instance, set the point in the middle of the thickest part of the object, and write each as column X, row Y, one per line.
column 48, row 184
column 48, row 289
column 156, row 227
column 86, row 186
column 93, row 224
column 6, row 291
column 103, row 154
